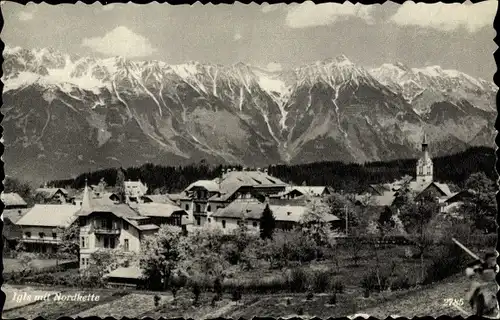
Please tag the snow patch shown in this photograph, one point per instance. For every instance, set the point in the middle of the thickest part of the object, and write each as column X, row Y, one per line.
column 270, row 85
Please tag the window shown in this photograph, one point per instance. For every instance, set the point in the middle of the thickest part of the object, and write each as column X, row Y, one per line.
column 125, row 225
column 106, row 242
column 209, row 220
column 187, row 206
column 82, row 221
column 209, row 208
column 103, row 224
column 125, row 245
column 198, row 221
column 112, row 243
column 28, row 234
column 198, row 208
column 41, row 235
column 82, row 242
column 54, row 235
column 254, row 223
column 224, row 224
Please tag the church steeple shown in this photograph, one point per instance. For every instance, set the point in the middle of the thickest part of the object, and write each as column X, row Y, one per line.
column 86, row 205
column 424, row 164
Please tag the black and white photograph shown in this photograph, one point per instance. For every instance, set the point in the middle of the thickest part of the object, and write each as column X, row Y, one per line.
column 249, row 160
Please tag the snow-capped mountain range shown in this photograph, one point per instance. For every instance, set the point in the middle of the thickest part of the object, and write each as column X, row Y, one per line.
column 66, row 114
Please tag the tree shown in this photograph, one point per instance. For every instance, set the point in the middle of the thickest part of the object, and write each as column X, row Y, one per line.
column 343, row 208
column 69, row 246
column 267, row 223
column 161, row 256
column 416, row 217
column 314, row 222
column 101, row 262
column 21, row 188
column 26, row 260
column 482, row 206
column 120, row 184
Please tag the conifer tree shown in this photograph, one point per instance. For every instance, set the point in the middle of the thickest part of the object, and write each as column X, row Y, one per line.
column 267, row 223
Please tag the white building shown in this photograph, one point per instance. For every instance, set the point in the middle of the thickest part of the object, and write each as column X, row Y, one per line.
column 134, row 190
column 120, row 226
column 204, row 197
column 42, row 226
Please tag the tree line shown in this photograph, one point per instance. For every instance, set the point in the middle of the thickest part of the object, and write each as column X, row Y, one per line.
column 348, row 177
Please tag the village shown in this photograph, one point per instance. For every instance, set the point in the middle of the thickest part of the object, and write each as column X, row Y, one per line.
column 121, row 232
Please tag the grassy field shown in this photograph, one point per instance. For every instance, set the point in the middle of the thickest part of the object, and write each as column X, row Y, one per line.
column 415, row 302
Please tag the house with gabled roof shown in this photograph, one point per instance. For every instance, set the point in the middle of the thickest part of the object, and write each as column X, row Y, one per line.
column 42, row 226
column 249, row 212
column 47, row 195
column 423, row 186
column 134, row 190
column 303, row 192
column 204, row 197
column 124, row 226
column 12, row 200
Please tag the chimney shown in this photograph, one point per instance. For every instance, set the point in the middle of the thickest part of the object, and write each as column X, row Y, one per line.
column 258, row 169
column 266, row 170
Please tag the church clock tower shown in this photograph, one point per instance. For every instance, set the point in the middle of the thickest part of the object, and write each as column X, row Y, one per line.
column 424, row 164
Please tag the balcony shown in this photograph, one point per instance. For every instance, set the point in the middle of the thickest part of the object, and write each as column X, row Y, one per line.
column 40, row 240
column 109, row 231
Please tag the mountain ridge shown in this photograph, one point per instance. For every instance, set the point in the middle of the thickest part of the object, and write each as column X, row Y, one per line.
column 89, row 112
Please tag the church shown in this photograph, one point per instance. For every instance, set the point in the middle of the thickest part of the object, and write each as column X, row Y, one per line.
column 422, row 186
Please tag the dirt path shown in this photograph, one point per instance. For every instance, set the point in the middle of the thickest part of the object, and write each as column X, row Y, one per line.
column 131, row 305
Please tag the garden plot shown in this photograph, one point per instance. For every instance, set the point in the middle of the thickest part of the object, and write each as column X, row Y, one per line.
column 131, row 305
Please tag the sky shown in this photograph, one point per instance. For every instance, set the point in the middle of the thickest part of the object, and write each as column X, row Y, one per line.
column 453, row 36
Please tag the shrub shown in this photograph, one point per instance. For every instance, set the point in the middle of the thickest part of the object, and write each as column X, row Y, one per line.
column 321, row 281
column 196, row 292
column 401, row 282
column 371, row 282
column 300, row 312
column 157, row 299
column 333, row 299
column 297, row 281
column 231, row 253
column 446, row 261
column 288, row 301
column 120, row 293
column 218, row 288
column 309, row 296
column 267, row 285
column 288, row 246
column 236, row 294
column 366, row 293
column 338, row 286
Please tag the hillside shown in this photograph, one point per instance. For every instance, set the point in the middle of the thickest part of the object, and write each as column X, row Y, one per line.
column 65, row 115
column 348, row 177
